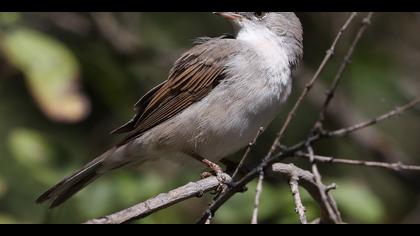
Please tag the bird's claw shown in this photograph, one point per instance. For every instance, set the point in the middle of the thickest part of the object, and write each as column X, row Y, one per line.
column 223, row 178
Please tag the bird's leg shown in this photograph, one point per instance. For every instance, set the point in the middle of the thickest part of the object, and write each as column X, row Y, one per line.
column 220, row 175
column 213, row 166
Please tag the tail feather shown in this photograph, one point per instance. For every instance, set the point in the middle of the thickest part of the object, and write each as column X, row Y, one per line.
column 69, row 186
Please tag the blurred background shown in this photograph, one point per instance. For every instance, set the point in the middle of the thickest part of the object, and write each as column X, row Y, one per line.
column 67, row 79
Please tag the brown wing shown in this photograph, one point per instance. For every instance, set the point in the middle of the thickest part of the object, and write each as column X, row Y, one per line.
column 193, row 76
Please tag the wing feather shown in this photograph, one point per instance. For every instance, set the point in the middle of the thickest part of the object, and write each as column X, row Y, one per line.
column 193, row 76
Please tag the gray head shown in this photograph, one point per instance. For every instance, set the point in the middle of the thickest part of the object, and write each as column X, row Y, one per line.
column 285, row 25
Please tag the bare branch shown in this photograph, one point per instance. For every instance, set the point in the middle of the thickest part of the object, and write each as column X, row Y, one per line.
column 247, row 152
column 296, row 148
column 390, row 166
column 164, row 200
column 346, row 61
column 397, row 111
column 258, row 192
column 238, row 186
column 330, row 52
column 345, row 114
column 123, row 40
column 300, row 209
column 329, row 202
column 306, row 180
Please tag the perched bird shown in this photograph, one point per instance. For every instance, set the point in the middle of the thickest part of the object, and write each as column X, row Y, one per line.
column 217, row 96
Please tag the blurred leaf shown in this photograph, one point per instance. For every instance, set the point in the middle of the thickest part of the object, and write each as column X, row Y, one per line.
column 118, row 191
column 359, row 203
column 28, row 146
column 3, row 187
column 32, row 150
column 274, row 201
column 5, row 219
column 8, row 18
column 51, row 71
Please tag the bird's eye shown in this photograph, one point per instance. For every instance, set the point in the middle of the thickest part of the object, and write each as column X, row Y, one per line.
column 259, row 14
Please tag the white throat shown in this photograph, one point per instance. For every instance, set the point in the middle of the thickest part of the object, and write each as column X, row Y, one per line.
column 270, row 47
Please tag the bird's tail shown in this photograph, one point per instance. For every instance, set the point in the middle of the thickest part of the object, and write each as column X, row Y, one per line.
column 69, row 186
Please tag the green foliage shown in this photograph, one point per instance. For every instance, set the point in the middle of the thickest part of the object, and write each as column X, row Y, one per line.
column 358, row 203
column 33, row 152
column 9, row 18
column 3, row 187
column 51, row 71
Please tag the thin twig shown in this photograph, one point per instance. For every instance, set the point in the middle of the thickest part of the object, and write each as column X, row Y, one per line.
column 300, row 209
column 209, row 213
column 120, row 37
column 333, row 212
column 397, row 111
column 345, row 114
column 306, row 180
column 238, row 186
column 390, row 166
column 246, row 154
column 330, row 52
column 346, row 61
column 258, row 192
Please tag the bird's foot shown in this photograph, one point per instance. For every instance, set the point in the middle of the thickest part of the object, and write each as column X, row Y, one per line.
column 206, row 174
column 224, row 179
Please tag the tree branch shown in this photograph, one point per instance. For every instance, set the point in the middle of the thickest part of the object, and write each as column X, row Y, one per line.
column 197, row 189
column 258, row 192
column 390, row 166
column 397, row 111
column 326, row 197
column 300, row 209
column 164, row 200
column 306, row 180
column 346, row 61
column 246, row 154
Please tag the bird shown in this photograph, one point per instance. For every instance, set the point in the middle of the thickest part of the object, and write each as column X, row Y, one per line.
column 217, row 96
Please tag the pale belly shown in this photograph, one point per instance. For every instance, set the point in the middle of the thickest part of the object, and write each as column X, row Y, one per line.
column 225, row 121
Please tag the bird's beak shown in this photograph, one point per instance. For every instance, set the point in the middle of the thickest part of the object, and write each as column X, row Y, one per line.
column 232, row 16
